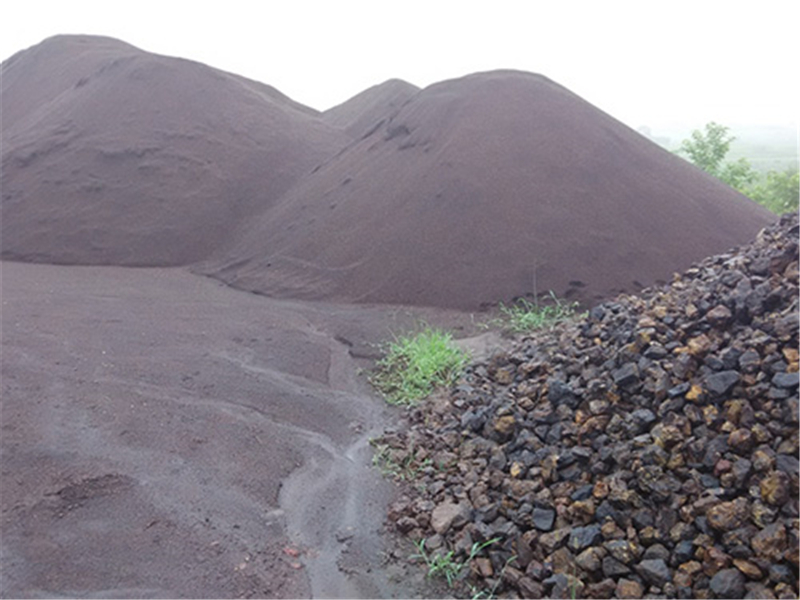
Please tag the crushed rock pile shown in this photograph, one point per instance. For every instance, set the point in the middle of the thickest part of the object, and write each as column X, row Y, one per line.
column 649, row 449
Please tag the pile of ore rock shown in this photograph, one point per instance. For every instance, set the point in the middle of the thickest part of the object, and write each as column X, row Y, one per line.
column 649, row 449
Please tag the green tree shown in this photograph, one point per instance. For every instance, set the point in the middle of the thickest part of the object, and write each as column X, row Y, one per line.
column 708, row 149
column 779, row 191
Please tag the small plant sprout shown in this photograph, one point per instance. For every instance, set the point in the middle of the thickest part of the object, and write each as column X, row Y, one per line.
column 445, row 564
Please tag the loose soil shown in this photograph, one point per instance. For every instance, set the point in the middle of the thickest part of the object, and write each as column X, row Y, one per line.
column 166, row 436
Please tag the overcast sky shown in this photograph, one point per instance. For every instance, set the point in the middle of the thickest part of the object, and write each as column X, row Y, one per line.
column 657, row 63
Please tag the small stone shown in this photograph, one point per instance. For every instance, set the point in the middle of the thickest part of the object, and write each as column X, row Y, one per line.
column 770, row 542
column 747, row 568
column 406, row 524
column 780, row 573
column 699, row 345
column 786, row 380
column 583, row 537
column 719, row 316
column 726, row 516
column 763, row 460
column 714, row 560
column 614, row 568
column 629, row 588
column 554, row 539
column 543, row 518
column 695, row 393
column 482, row 567
column 775, row 488
column 583, row 511
column 750, row 361
column 622, row 550
column 504, row 426
column 602, row 589
column 626, row 375
column 530, row 588
column 590, row 560
column 434, row 542
column 741, row 441
column 444, row 516
column 505, row 375
column 600, row 489
column 517, row 470
column 728, row 583
column 719, row 384
column 654, row 571
column 758, row 591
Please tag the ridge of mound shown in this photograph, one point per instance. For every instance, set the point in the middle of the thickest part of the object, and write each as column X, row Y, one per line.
column 485, row 188
column 366, row 110
column 114, row 155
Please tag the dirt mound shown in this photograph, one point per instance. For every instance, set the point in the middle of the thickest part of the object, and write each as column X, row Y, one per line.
column 484, row 188
column 365, row 111
column 113, row 155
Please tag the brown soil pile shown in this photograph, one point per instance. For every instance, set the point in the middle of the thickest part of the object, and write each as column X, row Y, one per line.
column 116, row 156
column 466, row 193
column 485, row 188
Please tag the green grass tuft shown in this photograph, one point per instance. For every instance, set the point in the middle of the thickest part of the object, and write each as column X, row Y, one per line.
column 524, row 316
column 415, row 365
column 445, row 564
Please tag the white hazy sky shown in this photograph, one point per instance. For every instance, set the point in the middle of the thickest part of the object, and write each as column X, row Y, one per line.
column 646, row 62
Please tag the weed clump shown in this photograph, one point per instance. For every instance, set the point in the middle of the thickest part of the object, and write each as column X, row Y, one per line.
column 415, row 365
column 524, row 316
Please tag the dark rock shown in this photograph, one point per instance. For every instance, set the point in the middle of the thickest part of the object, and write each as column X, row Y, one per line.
column 719, row 384
column 543, row 518
column 786, row 380
column 626, row 375
column 614, row 568
column 583, row 537
column 728, row 583
column 654, row 571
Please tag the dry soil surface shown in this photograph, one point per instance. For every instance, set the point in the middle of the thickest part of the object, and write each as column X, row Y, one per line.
column 166, row 436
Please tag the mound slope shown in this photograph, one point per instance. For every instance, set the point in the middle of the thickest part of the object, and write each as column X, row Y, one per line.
column 485, row 188
column 113, row 155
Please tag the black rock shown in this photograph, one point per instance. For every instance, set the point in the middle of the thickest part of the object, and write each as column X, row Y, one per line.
column 786, row 380
column 614, row 568
column 679, row 390
column 581, row 538
column 728, row 583
column 561, row 393
column 543, row 518
column 683, row 551
column 721, row 383
column 654, row 571
column 626, row 375
column 780, row 573
column 749, row 361
column 582, row 493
